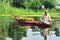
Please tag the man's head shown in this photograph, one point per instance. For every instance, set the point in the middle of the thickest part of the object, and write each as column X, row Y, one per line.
column 46, row 12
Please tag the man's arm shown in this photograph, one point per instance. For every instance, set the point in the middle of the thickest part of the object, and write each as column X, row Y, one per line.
column 44, row 21
column 42, row 18
column 50, row 19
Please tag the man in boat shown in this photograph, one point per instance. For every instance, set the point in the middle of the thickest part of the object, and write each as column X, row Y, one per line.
column 46, row 19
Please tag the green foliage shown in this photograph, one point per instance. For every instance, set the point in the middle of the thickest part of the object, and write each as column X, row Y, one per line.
column 15, row 31
column 5, row 8
column 18, row 3
column 4, row 24
column 26, row 4
column 49, row 3
column 36, row 4
column 33, row 4
column 11, row 31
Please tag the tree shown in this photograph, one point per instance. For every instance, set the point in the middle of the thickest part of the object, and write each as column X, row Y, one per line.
column 49, row 3
column 26, row 4
column 36, row 4
column 18, row 3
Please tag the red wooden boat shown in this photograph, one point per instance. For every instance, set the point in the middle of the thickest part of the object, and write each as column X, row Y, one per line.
column 24, row 23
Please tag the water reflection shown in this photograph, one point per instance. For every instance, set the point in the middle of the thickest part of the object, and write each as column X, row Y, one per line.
column 36, row 36
column 30, row 36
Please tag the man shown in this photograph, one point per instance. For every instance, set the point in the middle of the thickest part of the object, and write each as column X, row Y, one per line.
column 46, row 19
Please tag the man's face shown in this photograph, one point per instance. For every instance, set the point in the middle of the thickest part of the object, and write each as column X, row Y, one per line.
column 46, row 12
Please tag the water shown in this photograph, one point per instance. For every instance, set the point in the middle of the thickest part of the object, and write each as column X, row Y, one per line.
column 39, row 37
column 8, row 38
column 58, row 24
column 36, row 35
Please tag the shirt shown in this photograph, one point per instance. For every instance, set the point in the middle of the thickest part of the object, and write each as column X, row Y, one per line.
column 46, row 19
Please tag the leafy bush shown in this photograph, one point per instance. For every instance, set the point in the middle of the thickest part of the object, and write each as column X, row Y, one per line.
column 48, row 4
column 35, row 5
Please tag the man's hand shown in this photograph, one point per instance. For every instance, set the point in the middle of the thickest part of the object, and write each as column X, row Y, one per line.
column 53, row 20
column 46, row 22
